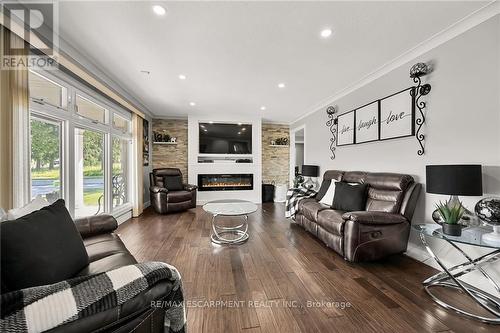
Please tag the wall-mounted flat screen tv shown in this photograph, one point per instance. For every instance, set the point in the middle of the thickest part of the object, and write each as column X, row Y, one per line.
column 224, row 138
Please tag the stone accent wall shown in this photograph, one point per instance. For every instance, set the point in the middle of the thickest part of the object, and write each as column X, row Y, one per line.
column 275, row 160
column 172, row 156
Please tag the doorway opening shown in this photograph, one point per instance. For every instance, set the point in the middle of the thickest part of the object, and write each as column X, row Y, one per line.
column 298, row 153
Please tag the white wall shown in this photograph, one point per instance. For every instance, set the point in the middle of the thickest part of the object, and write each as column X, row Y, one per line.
column 194, row 168
column 463, row 119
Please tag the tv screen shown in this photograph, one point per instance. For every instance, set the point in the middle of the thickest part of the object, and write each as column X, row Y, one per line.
column 225, row 138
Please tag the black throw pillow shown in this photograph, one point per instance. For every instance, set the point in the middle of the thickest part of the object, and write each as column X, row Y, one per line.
column 173, row 183
column 41, row 248
column 350, row 198
column 323, row 189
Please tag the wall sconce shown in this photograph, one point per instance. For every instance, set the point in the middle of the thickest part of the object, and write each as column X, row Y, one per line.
column 332, row 122
column 416, row 72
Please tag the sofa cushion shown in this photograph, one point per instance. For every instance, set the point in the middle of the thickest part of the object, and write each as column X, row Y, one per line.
column 331, row 220
column 383, row 200
column 325, row 184
column 103, row 245
column 41, row 248
column 38, row 203
column 179, row 196
column 110, row 262
column 350, row 197
column 310, row 208
column 173, row 183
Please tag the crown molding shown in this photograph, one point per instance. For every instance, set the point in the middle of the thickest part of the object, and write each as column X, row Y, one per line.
column 456, row 29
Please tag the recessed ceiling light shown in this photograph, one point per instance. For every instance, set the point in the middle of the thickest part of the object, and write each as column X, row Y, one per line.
column 281, row 85
column 239, row 124
column 182, row 76
column 210, row 122
column 205, row 130
column 244, row 129
column 263, row 108
column 325, row 33
column 239, row 133
column 192, row 103
column 159, row 10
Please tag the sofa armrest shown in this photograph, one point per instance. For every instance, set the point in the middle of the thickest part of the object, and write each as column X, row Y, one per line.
column 157, row 189
column 96, row 225
column 189, row 187
column 373, row 217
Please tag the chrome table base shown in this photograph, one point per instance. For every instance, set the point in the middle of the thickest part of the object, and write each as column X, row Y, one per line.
column 240, row 231
column 449, row 279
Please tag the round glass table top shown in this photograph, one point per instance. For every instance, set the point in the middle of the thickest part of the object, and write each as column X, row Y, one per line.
column 470, row 235
column 230, row 207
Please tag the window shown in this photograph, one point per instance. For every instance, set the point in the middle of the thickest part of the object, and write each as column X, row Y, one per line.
column 121, row 123
column 89, row 173
column 80, row 147
column 119, row 179
column 44, row 90
column 90, row 110
column 45, row 159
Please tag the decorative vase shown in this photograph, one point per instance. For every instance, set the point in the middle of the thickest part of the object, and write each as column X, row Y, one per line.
column 452, row 229
column 488, row 211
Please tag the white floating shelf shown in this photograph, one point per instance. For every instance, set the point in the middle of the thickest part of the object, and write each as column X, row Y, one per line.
column 280, row 146
column 164, row 143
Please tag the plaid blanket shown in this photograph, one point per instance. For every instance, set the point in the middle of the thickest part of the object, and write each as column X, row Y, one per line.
column 42, row 308
column 293, row 197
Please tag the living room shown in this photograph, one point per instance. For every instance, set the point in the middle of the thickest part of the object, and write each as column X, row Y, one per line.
column 250, row 166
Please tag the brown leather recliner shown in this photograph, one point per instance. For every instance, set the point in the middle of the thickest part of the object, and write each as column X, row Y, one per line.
column 165, row 201
column 382, row 229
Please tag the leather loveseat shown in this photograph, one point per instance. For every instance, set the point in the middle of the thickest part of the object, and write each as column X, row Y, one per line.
column 381, row 229
column 166, row 201
column 106, row 251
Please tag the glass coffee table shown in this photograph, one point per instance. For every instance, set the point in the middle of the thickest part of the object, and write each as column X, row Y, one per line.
column 449, row 278
column 230, row 208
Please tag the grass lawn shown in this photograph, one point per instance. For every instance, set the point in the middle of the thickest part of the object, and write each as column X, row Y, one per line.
column 91, row 197
column 88, row 171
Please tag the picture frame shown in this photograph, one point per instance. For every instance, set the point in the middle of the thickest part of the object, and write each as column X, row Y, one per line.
column 145, row 142
column 346, row 134
column 367, row 123
column 397, row 115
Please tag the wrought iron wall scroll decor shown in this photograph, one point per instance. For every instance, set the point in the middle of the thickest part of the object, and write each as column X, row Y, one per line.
column 381, row 110
column 332, row 122
column 416, row 72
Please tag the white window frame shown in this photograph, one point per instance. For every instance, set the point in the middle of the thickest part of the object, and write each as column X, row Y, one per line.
column 70, row 120
column 62, row 156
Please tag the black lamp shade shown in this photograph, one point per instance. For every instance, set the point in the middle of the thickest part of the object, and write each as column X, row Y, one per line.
column 454, row 179
column 310, row 170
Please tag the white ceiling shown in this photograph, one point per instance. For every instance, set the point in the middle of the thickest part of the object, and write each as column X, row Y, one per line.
column 235, row 53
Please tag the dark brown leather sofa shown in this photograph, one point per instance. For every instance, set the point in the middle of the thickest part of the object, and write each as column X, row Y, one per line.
column 165, row 201
column 382, row 229
column 106, row 252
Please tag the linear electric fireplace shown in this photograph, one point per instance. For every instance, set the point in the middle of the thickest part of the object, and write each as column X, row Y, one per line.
column 225, row 182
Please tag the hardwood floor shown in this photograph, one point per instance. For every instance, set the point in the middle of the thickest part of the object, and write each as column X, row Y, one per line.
column 284, row 280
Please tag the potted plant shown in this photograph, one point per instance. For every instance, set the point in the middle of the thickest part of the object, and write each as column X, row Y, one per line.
column 451, row 213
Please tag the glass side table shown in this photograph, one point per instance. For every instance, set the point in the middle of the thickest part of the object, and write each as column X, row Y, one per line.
column 449, row 277
column 232, row 208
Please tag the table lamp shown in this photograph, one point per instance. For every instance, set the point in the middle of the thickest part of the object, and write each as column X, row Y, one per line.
column 310, row 171
column 454, row 180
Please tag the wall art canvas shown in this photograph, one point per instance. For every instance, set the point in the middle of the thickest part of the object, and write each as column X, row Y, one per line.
column 345, row 129
column 145, row 142
column 367, row 123
column 397, row 115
